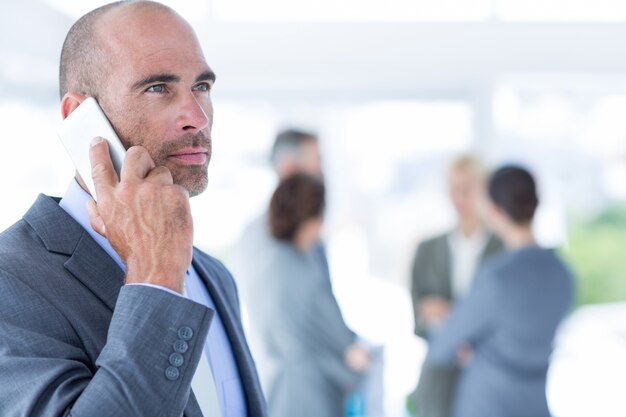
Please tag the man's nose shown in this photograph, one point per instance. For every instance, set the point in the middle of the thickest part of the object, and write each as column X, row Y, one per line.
column 192, row 116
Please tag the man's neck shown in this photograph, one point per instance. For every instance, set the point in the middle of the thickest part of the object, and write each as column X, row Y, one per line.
column 519, row 237
column 469, row 227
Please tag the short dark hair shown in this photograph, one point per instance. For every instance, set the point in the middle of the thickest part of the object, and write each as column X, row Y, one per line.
column 513, row 189
column 82, row 64
column 290, row 141
column 298, row 198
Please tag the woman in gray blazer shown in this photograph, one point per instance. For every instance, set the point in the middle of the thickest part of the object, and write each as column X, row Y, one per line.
column 309, row 359
column 503, row 329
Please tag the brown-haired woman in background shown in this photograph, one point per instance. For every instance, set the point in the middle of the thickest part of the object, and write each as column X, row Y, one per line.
column 310, row 360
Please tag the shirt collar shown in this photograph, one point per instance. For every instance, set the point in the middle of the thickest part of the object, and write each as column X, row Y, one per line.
column 477, row 238
column 74, row 202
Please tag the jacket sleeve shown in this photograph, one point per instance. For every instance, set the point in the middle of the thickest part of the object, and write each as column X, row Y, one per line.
column 46, row 372
column 328, row 336
column 472, row 318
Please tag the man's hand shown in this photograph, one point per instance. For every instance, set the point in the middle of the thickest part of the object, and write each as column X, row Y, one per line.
column 464, row 354
column 433, row 310
column 145, row 217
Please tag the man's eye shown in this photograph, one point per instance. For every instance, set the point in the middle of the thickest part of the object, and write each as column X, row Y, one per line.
column 159, row 88
column 203, row 87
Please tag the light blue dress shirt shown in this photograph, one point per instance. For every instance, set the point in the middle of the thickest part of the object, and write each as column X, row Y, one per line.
column 217, row 347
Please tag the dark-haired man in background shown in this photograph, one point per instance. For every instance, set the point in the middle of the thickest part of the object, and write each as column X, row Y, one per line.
column 106, row 309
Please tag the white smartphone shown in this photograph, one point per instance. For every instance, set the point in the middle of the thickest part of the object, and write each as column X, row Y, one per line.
column 78, row 129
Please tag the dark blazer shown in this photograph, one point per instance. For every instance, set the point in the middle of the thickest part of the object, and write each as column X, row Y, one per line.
column 431, row 273
column 432, row 276
column 74, row 341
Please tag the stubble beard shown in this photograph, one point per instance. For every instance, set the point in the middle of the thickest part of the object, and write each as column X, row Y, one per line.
column 194, row 178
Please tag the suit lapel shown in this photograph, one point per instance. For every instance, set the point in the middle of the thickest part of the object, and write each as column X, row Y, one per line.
column 493, row 245
column 236, row 337
column 192, row 409
column 88, row 262
column 92, row 266
column 446, row 265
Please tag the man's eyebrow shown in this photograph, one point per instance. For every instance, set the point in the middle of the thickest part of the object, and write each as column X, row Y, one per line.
column 206, row 75
column 155, row 78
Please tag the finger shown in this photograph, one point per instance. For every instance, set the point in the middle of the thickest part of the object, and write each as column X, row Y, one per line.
column 137, row 164
column 95, row 219
column 160, row 175
column 102, row 170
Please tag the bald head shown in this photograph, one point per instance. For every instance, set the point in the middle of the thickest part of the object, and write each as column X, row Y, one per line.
column 85, row 62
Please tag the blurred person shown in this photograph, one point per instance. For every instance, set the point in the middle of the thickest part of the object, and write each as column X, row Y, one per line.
column 293, row 151
column 310, row 358
column 502, row 331
column 442, row 272
column 296, row 150
column 106, row 308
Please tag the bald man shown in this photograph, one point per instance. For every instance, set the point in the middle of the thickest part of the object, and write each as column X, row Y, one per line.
column 107, row 309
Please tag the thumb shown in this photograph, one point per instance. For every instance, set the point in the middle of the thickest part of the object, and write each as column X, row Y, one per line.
column 102, row 170
column 95, row 219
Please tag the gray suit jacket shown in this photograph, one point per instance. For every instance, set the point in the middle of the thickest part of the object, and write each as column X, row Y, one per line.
column 75, row 342
column 301, row 333
column 509, row 318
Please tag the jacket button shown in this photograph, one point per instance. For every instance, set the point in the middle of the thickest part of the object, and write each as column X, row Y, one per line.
column 172, row 373
column 185, row 333
column 180, row 346
column 176, row 359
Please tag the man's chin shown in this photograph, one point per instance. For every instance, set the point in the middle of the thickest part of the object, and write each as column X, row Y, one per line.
column 194, row 182
column 197, row 187
column 196, row 191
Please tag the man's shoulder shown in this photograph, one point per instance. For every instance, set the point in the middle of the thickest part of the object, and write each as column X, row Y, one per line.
column 15, row 243
column 20, row 245
column 24, row 259
column 33, row 244
column 46, row 224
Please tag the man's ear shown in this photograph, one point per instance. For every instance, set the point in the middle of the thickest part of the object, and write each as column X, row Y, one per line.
column 69, row 103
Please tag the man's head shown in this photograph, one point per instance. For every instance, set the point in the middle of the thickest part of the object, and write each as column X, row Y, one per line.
column 466, row 177
column 144, row 65
column 513, row 194
column 296, row 151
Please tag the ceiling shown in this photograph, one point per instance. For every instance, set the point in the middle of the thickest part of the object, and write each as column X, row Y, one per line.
column 334, row 60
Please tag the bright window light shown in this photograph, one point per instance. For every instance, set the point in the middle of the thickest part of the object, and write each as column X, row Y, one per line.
column 421, row 10
column 192, row 10
column 352, row 10
column 561, row 10
column 388, row 133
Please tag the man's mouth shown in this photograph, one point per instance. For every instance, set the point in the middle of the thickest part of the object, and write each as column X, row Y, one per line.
column 190, row 156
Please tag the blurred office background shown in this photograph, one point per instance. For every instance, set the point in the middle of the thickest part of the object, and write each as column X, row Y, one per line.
column 395, row 89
